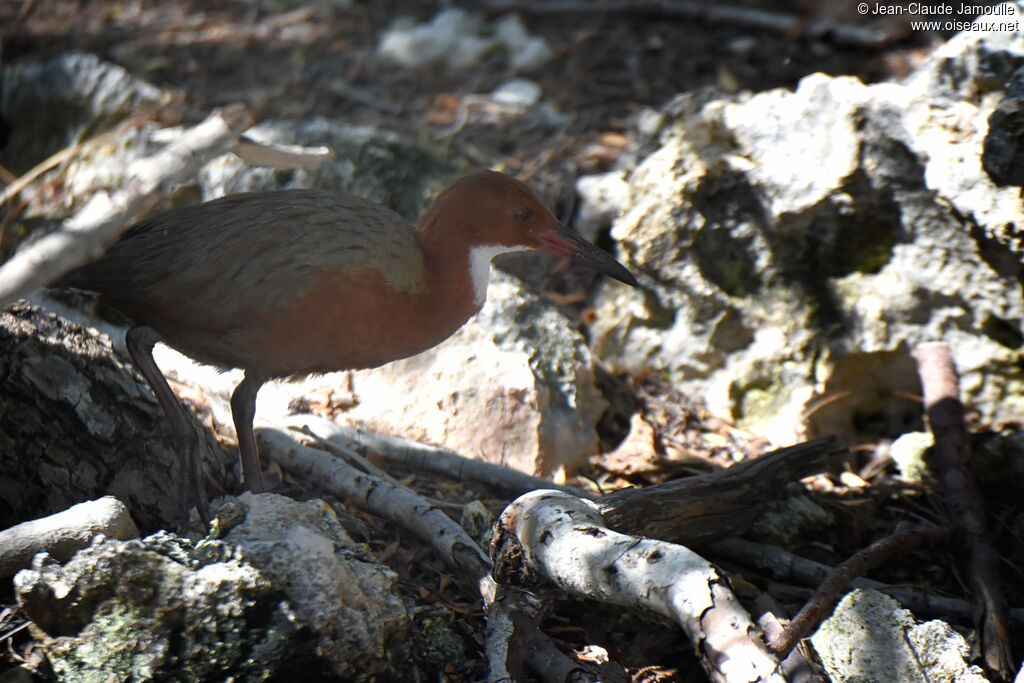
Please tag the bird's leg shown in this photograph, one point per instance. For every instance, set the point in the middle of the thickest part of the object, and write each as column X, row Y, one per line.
column 140, row 340
column 243, row 410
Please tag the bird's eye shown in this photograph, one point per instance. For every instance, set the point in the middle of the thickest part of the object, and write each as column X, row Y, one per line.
column 523, row 215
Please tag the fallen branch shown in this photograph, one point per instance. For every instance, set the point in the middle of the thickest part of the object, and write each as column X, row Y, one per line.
column 717, row 505
column 64, row 533
column 832, row 589
column 712, row 13
column 423, row 458
column 504, row 633
column 87, row 234
column 965, row 508
column 389, row 501
column 564, row 539
column 410, row 511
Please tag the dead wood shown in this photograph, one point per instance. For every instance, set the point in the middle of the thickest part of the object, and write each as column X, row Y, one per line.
column 387, row 500
column 718, row 505
column 100, row 222
column 564, row 540
column 432, row 459
column 964, row 505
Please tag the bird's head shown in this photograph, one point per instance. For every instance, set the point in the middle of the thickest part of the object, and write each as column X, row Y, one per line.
column 496, row 213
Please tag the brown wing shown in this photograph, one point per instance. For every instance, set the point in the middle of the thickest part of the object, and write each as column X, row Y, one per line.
column 206, row 265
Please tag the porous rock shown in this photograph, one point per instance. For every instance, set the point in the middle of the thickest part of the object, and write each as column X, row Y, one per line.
column 797, row 246
column 283, row 593
column 869, row 637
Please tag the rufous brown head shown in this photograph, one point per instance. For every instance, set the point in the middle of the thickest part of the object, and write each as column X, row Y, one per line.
column 496, row 213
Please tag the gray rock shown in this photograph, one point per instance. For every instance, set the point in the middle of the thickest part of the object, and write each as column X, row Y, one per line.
column 1003, row 154
column 459, row 39
column 333, row 585
column 518, row 93
column 602, row 197
column 378, row 165
column 283, row 593
column 453, row 37
column 797, row 246
column 870, row 639
column 908, row 454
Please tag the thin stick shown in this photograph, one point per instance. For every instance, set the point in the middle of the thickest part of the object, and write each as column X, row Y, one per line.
column 782, row 565
column 964, row 505
column 839, row 579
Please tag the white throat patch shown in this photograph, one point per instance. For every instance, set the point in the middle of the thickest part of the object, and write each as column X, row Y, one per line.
column 480, row 267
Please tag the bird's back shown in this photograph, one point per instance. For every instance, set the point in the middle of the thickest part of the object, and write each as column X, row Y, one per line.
column 215, row 268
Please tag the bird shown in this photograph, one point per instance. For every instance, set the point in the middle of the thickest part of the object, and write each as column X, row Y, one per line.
column 289, row 283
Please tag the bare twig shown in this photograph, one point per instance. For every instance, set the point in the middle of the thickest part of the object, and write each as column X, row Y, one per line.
column 965, row 507
column 346, row 453
column 712, row 13
column 798, row 665
column 86, row 235
column 564, row 539
column 831, row 589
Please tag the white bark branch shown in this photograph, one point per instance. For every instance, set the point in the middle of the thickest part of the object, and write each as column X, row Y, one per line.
column 87, row 234
column 424, row 458
column 511, row 618
column 565, row 539
column 389, row 501
column 277, row 155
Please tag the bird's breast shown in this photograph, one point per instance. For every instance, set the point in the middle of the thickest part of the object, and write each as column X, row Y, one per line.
column 353, row 320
